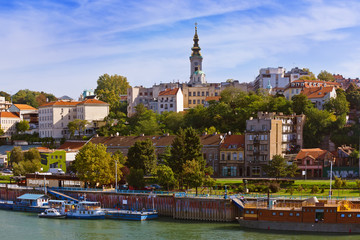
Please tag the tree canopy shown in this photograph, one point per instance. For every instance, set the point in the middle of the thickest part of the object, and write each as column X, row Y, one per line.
column 32, row 98
column 278, row 168
column 109, row 88
column 29, row 162
column 326, row 76
column 142, row 156
column 96, row 166
column 22, row 126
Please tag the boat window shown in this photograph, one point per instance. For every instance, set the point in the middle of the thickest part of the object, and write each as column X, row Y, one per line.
column 298, row 214
column 358, row 215
column 281, row 214
column 247, row 211
column 342, row 215
column 260, row 213
column 349, row 215
column 291, row 214
column 252, row 212
column 274, row 213
column 330, row 210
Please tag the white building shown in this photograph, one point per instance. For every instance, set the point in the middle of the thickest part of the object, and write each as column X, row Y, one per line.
column 8, row 121
column 4, row 105
column 171, row 100
column 277, row 77
column 54, row 117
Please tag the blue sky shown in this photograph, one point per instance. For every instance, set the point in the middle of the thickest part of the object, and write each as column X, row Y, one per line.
column 62, row 47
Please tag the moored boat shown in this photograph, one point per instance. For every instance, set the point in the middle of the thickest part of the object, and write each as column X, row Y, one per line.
column 310, row 215
column 51, row 213
column 84, row 210
column 131, row 214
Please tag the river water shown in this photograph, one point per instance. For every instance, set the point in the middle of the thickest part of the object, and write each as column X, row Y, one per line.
column 18, row 225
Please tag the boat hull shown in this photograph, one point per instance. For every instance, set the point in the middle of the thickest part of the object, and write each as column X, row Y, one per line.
column 29, row 208
column 54, row 217
column 76, row 216
column 130, row 215
column 301, row 226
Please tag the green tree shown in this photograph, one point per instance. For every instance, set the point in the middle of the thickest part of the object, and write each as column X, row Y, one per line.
column 136, row 178
column 185, row 147
column 326, row 76
column 16, row 155
column 32, row 98
column 96, row 166
column 2, row 132
column 6, row 95
column 171, row 122
column 292, row 170
column 193, row 174
column 79, row 125
column 317, row 125
column 301, row 104
column 310, row 76
column 22, row 126
column 277, row 167
column 29, row 163
column 142, row 156
column 353, row 96
column 165, row 176
column 144, row 121
column 109, row 88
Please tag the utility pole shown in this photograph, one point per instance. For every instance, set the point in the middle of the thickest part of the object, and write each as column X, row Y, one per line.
column 116, row 182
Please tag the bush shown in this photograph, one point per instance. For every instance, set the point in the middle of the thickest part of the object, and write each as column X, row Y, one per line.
column 290, row 190
column 314, row 189
column 274, row 187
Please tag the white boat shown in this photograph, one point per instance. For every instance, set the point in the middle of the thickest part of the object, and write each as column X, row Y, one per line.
column 51, row 213
column 84, row 210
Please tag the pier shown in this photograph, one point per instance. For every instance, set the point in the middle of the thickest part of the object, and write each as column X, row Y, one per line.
column 177, row 206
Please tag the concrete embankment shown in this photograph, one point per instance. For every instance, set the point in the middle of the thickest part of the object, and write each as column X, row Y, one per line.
column 185, row 208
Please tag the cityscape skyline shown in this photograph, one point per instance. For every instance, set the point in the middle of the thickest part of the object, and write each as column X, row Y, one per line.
column 62, row 47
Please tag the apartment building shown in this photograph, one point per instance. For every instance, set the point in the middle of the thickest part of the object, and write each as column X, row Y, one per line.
column 232, row 158
column 8, row 121
column 170, row 100
column 54, row 117
column 4, row 105
column 268, row 135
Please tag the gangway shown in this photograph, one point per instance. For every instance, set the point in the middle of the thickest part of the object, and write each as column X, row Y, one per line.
column 238, row 202
column 62, row 196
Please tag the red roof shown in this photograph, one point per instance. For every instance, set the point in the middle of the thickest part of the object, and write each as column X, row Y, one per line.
column 72, row 145
column 73, row 103
column 169, row 92
column 311, row 152
column 24, row 107
column 8, row 115
column 317, row 92
column 233, row 142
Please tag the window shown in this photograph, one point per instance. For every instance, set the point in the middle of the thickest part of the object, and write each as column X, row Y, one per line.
column 223, row 156
column 274, row 213
column 171, row 105
column 198, row 101
column 202, row 101
column 229, row 156
column 216, row 94
column 207, row 94
column 234, row 156
column 194, row 101
column 202, row 93
column 250, row 147
column 189, row 101
column 250, row 137
column 281, row 214
column 342, row 215
column 194, row 94
column 161, row 105
column 198, row 93
column 297, row 214
column 241, row 156
column 349, row 215
column 189, row 94
column 291, row 214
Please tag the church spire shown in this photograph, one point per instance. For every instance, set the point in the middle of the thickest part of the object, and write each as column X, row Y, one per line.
column 196, row 48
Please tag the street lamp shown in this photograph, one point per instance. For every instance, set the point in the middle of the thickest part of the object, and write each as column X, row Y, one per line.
column 331, row 164
column 116, row 182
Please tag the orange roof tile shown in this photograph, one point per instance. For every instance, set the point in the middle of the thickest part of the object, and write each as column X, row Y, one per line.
column 169, row 92
column 92, row 101
column 8, row 115
column 311, row 152
column 24, row 107
column 317, row 92
column 72, row 145
column 73, row 103
column 233, row 142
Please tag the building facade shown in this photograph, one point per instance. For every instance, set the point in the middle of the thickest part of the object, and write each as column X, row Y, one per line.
column 8, row 121
column 170, row 100
column 232, row 157
column 54, row 117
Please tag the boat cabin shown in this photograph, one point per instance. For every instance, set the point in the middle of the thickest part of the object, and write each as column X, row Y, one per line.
column 33, row 200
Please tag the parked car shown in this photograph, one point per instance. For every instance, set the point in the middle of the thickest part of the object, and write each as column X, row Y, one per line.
column 7, row 171
column 56, row 171
column 155, row 186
